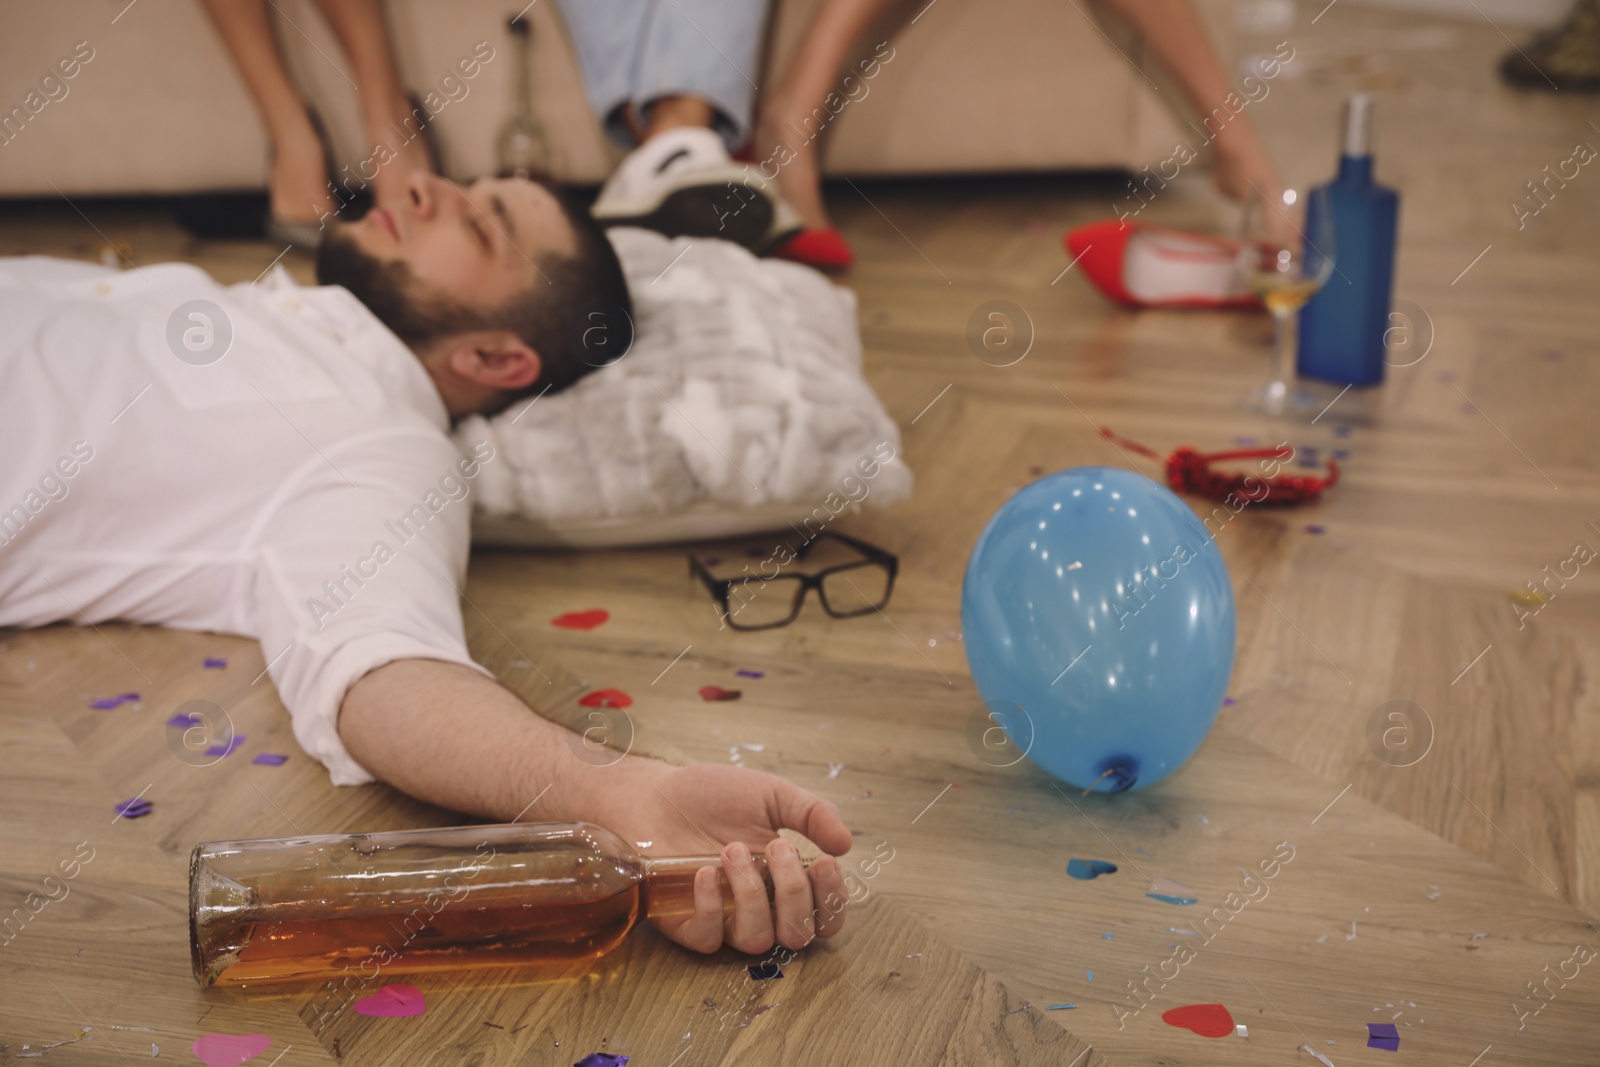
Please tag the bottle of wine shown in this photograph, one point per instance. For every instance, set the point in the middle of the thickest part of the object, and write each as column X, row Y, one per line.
column 1342, row 328
column 412, row 901
column 521, row 148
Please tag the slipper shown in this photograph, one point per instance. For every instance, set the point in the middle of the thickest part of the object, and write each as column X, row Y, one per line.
column 824, row 249
column 1152, row 266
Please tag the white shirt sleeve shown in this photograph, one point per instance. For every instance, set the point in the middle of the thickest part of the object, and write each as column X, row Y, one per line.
column 362, row 557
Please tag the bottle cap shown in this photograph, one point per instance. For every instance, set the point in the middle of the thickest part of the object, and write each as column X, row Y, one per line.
column 1358, row 125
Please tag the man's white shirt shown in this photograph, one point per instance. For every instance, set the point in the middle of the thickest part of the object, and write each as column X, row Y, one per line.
column 264, row 459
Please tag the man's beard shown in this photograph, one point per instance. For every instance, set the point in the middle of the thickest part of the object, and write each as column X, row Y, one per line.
column 391, row 292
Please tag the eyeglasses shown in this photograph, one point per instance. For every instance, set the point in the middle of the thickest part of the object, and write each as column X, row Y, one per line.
column 769, row 598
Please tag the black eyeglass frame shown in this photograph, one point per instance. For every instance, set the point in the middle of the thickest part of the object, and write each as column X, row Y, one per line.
column 722, row 588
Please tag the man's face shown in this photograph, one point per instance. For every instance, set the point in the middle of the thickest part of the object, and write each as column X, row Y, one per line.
column 475, row 247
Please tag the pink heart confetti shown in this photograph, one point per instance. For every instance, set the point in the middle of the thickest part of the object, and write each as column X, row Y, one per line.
column 716, row 692
column 393, row 1002
column 230, row 1050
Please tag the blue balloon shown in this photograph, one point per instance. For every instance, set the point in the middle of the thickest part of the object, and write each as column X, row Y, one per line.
column 1098, row 622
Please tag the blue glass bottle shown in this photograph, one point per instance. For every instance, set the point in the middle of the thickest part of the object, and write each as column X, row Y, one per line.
column 1342, row 328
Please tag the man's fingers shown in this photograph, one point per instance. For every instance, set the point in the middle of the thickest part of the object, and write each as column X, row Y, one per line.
column 703, row 930
column 816, row 818
column 791, row 895
column 832, row 896
column 750, row 929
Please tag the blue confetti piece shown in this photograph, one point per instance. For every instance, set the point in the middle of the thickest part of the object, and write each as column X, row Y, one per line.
column 743, row 673
column 271, row 759
column 213, row 663
column 1090, row 975
column 1058, row 1007
column 1168, row 898
column 1108, row 935
column 1088, row 870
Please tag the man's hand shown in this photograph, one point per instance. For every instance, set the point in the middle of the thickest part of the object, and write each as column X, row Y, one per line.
column 708, row 807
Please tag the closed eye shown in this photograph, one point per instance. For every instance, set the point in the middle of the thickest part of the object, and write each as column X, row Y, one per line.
column 480, row 233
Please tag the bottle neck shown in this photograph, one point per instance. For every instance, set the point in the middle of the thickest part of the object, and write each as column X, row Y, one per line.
column 1355, row 169
column 522, row 83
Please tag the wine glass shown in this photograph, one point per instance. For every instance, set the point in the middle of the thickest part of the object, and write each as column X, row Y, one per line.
column 1285, row 256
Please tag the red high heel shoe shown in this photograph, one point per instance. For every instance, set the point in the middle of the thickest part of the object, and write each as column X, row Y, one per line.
column 825, row 249
column 1152, row 266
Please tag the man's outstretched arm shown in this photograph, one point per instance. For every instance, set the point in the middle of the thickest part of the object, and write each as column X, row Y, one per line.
column 449, row 735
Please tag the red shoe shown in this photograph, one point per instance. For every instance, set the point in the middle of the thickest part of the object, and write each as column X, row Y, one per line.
column 1153, row 266
column 824, row 249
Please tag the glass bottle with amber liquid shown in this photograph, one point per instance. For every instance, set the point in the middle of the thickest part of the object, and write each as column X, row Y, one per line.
column 521, row 148
column 415, row 901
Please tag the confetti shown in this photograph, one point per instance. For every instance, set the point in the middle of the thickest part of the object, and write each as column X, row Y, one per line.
column 581, row 620
column 1341, row 431
column 1228, row 702
column 606, row 698
column 1178, row 930
column 1351, row 936
column 1532, row 599
column 1207, row 1020
column 834, row 769
column 1323, row 940
column 1089, row 975
column 1435, row 894
column 1341, row 453
column 1108, row 935
column 602, row 1059
column 1384, row 1036
column 1169, row 892
column 1241, row 1030
column 393, row 1002
column 185, row 720
column 765, row 971
column 1244, row 440
column 229, row 1050
column 1319, row 1056
column 214, row 663
column 1088, row 870
column 226, row 748
column 743, row 672
column 1058, row 1007
column 107, row 703
column 716, row 692
column 137, row 808
column 270, row 759
column 1313, row 528
column 1202, row 818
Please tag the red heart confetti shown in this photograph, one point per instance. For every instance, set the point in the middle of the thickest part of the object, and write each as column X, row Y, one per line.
column 1207, row 1020
column 716, row 692
column 581, row 620
column 606, row 698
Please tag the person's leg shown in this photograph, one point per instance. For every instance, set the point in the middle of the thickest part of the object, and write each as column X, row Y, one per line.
column 786, row 128
column 385, row 110
column 707, row 50
column 607, row 36
column 299, row 183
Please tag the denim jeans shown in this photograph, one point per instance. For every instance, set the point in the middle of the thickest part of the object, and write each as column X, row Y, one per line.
column 636, row 51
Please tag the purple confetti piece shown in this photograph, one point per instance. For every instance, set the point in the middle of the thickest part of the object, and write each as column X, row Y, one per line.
column 743, row 673
column 270, row 759
column 1313, row 528
column 185, row 720
column 1341, row 453
column 1308, row 461
column 1384, row 1036
column 213, row 663
column 107, row 703
column 1228, row 702
column 602, row 1059
column 226, row 749
column 1341, row 431
column 1244, row 440
column 136, row 808
column 765, row 971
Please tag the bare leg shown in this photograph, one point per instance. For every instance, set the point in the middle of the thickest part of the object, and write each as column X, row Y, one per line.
column 299, row 190
column 673, row 112
column 385, row 111
column 812, row 73
column 1177, row 36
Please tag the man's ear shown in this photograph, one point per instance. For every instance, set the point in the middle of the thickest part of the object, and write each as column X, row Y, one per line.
column 498, row 359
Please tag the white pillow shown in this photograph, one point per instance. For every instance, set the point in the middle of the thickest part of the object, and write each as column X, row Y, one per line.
column 742, row 393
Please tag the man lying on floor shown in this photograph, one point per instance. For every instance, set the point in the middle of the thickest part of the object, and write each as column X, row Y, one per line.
column 274, row 460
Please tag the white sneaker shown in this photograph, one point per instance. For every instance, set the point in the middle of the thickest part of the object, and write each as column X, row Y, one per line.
column 682, row 183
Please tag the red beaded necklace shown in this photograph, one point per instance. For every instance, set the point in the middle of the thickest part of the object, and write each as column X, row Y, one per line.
column 1189, row 471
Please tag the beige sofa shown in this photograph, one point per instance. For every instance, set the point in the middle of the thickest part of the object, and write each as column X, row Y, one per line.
column 973, row 86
